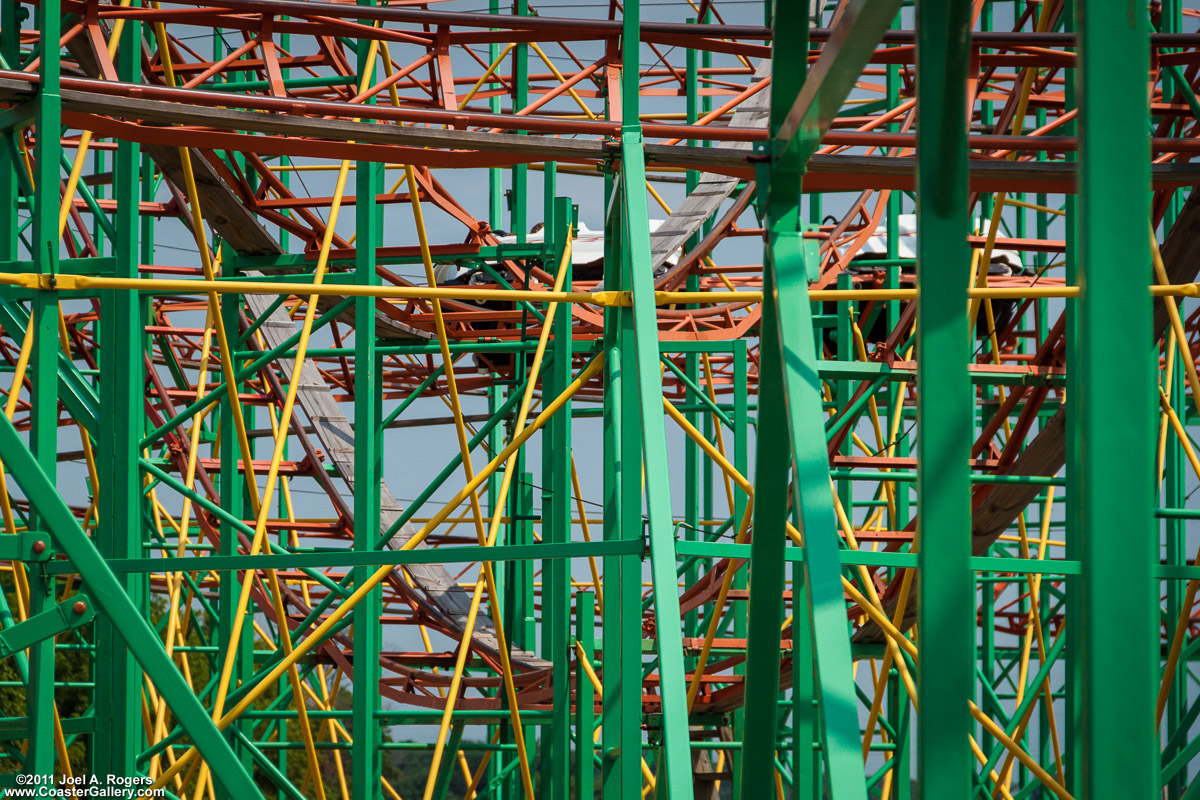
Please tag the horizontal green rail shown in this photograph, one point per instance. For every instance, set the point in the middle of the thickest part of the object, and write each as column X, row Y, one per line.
column 874, row 558
column 351, row 558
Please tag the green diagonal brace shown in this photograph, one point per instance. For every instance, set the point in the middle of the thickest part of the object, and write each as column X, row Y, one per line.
column 446, row 766
column 822, row 562
column 65, row 616
column 851, row 44
column 676, row 749
column 104, row 588
column 788, row 351
column 18, row 117
column 73, row 389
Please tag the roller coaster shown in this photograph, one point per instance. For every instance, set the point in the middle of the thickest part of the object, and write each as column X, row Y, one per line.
column 410, row 378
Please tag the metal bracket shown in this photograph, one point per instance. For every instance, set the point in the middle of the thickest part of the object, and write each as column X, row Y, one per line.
column 68, row 615
column 812, row 252
column 26, row 546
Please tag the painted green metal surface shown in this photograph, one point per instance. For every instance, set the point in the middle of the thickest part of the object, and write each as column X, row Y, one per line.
column 367, row 763
column 1118, row 537
column 945, row 593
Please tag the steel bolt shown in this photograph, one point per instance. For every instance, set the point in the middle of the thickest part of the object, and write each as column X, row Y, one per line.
column 79, row 607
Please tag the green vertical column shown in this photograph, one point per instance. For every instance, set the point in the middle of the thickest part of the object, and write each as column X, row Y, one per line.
column 368, row 471
column 1072, row 657
column 842, row 389
column 986, row 651
column 9, row 221
column 644, row 318
column 234, row 498
column 149, row 187
column 518, row 206
column 495, row 443
column 899, row 712
column 946, row 602
column 765, row 607
column 1113, row 410
column 790, row 401
column 495, row 175
column 43, row 441
column 518, row 609
column 43, row 434
column 1174, row 496
column 10, row 50
column 119, row 534
column 741, row 581
column 791, row 434
column 642, row 321
column 556, row 527
column 520, row 621
column 694, row 460
column 585, row 631
column 621, row 737
column 806, row 764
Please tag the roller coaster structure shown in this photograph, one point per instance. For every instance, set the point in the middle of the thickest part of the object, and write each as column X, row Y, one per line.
column 331, row 430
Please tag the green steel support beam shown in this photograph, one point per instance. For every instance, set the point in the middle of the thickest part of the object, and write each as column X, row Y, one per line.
column 20, row 546
column 445, row 767
column 10, row 191
column 621, row 736
column 111, row 600
column 765, row 612
column 43, row 433
column 622, row 716
column 789, row 351
column 76, row 393
column 852, row 42
column 1113, row 410
column 945, row 593
column 806, row 760
column 1073, row 658
column 1174, row 494
column 585, row 698
column 65, row 616
column 19, row 116
column 677, row 758
column 781, row 191
column 811, row 495
column 695, row 464
column 741, row 439
column 118, row 697
column 367, row 769
column 520, row 623
column 43, row 442
column 518, row 208
column 556, row 528
column 234, row 498
column 10, row 187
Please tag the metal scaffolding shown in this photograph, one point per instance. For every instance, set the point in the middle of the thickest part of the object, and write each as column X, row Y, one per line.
column 339, row 450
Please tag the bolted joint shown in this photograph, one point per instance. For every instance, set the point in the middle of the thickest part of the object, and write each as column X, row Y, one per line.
column 26, row 546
